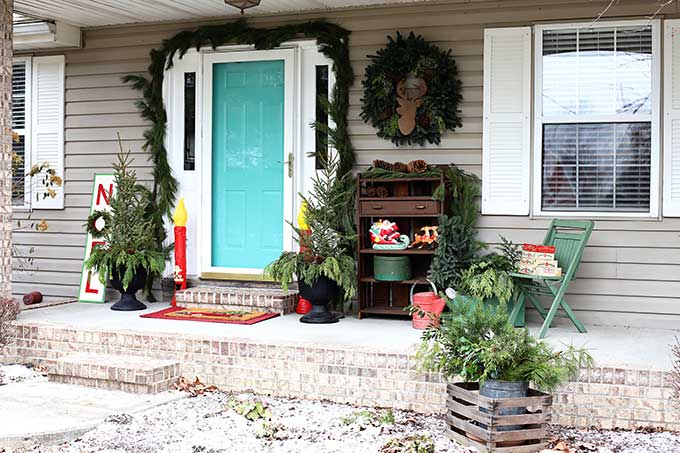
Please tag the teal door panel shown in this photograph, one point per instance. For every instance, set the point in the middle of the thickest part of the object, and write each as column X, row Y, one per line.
column 247, row 169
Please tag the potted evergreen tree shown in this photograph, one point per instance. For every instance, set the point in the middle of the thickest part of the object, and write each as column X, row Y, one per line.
column 129, row 253
column 324, row 266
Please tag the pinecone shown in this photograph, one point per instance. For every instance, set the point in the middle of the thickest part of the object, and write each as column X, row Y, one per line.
column 382, row 192
column 417, row 166
column 382, row 164
column 400, row 167
column 370, row 191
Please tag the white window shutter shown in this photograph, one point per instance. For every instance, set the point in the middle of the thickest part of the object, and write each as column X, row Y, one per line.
column 506, row 145
column 671, row 139
column 47, row 127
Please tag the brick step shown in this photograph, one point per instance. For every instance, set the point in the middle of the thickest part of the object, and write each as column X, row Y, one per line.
column 115, row 372
column 268, row 300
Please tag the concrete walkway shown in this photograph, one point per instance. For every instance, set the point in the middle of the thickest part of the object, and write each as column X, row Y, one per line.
column 42, row 412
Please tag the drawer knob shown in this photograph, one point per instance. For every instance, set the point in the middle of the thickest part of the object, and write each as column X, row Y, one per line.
column 420, row 206
column 377, row 207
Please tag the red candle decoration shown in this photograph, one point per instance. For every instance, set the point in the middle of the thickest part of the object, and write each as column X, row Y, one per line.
column 180, row 272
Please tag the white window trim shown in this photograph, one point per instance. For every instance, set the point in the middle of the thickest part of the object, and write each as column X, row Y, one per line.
column 655, row 166
column 28, row 160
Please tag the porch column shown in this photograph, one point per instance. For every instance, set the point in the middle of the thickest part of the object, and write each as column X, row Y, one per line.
column 6, row 22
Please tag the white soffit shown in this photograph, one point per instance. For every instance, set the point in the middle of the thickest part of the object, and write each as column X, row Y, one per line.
column 95, row 13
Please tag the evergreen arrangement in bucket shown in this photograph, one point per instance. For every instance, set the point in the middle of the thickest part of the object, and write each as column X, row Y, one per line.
column 130, row 253
column 476, row 343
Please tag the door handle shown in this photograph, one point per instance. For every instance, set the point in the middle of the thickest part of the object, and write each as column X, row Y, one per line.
column 288, row 162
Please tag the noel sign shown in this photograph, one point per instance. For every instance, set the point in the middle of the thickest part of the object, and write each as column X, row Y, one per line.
column 91, row 288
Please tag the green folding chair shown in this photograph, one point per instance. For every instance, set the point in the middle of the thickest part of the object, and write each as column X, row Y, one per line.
column 569, row 238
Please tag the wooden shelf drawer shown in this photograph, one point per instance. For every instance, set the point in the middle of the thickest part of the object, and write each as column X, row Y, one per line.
column 399, row 207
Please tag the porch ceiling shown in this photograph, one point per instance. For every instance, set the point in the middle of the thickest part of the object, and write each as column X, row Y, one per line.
column 93, row 13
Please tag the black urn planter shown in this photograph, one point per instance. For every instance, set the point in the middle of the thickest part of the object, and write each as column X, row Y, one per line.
column 128, row 301
column 319, row 295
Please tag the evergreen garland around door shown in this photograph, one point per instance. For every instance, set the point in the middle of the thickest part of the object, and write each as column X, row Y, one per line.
column 333, row 42
column 412, row 91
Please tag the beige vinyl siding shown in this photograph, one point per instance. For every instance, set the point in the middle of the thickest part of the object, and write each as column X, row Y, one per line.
column 631, row 269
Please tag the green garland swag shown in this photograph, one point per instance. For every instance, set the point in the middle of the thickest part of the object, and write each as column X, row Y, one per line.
column 412, row 58
column 381, row 173
column 333, row 42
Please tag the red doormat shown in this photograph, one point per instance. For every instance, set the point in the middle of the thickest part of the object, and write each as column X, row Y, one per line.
column 211, row 315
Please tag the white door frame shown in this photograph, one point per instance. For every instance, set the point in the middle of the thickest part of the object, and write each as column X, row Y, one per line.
column 204, row 123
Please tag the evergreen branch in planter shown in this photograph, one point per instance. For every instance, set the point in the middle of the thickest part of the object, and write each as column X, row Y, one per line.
column 130, row 242
column 477, row 343
column 327, row 250
column 458, row 245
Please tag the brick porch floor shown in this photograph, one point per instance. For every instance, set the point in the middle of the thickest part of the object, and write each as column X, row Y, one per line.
column 368, row 362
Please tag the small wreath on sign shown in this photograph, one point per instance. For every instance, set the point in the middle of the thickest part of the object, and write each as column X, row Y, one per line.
column 412, row 91
column 98, row 224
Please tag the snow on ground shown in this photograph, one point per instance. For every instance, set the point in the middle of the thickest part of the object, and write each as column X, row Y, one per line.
column 208, row 424
column 211, row 424
column 10, row 374
column 606, row 441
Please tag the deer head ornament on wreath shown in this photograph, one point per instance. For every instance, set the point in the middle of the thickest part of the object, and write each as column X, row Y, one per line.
column 411, row 91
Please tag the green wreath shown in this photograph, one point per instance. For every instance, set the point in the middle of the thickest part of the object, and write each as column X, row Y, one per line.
column 91, row 226
column 412, row 91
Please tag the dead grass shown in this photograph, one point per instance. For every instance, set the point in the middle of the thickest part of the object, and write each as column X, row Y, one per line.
column 675, row 372
column 9, row 310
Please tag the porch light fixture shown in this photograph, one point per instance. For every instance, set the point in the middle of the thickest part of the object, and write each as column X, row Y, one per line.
column 242, row 4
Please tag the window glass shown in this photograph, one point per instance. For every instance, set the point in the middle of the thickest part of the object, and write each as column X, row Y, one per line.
column 596, row 119
column 596, row 166
column 321, row 114
column 189, row 121
column 601, row 71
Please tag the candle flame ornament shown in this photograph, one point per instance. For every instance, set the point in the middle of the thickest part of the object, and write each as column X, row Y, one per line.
column 303, row 227
column 180, row 218
column 302, row 217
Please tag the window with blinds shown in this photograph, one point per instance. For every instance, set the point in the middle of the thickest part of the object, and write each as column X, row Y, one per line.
column 596, row 120
column 19, row 99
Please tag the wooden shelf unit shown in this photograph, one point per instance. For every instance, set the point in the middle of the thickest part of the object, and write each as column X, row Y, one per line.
column 411, row 206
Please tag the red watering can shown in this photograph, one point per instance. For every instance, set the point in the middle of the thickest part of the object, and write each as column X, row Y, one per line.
column 428, row 307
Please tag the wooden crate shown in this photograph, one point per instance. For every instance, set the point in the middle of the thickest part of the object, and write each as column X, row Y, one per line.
column 470, row 414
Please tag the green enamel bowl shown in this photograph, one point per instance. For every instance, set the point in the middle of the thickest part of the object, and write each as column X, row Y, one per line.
column 391, row 268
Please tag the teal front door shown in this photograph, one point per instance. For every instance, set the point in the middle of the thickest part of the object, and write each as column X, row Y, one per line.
column 248, row 138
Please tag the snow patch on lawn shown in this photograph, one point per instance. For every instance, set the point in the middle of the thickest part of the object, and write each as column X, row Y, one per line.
column 11, row 374
column 208, row 424
column 218, row 423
